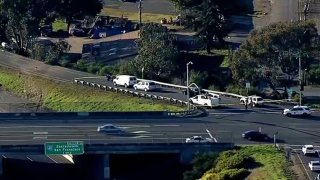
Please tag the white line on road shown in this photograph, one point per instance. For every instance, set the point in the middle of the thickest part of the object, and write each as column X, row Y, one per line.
column 40, row 137
column 166, row 125
column 29, row 158
column 52, row 159
column 38, row 133
column 138, row 132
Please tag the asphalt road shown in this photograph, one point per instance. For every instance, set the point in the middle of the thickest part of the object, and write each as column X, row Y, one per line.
column 225, row 126
column 305, row 159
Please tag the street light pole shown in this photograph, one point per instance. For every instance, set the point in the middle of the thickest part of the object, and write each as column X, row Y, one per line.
column 142, row 72
column 188, row 84
column 300, row 78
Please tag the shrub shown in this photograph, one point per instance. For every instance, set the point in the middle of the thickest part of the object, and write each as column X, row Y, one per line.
column 314, row 75
column 233, row 174
column 81, row 65
column 230, row 160
column 93, row 68
column 106, row 69
column 201, row 163
column 199, row 78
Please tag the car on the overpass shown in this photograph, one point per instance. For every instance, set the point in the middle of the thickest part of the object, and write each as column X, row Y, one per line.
column 297, row 111
column 145, row 85
column 314, row 165
column 255, row 136
column 110, row 129
column 199, row 139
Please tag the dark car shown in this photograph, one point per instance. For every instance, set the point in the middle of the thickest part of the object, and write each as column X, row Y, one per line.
column 255, row 135
column 193, row 91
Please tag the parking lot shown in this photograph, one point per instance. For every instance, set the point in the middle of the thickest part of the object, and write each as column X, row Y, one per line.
column 305, row 159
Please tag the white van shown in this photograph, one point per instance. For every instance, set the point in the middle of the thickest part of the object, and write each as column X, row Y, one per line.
column 125, row 80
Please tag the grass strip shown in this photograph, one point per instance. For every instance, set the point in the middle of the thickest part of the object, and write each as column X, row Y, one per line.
column 69, row 97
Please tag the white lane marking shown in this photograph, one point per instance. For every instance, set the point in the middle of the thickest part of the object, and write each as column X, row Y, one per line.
column 138, row 132
column 52, row 159
column 121, row 126
column 166, row 125
column 40, row 137
column 4, row 156
column 304, row 167
column 137, row 137
column 29, row 158
column 38, row 133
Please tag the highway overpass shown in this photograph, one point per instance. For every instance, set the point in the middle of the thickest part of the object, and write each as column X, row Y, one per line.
column 185, row 151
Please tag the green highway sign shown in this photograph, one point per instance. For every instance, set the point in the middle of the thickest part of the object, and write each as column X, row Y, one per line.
column 67, row 147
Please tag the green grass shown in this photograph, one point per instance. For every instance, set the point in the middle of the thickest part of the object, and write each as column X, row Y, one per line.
column 273, row 162
column 134, row 16
column 59, row 24
column 267, row 163
column 71, row 97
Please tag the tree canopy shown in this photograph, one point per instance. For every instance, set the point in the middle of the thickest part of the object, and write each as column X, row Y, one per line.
column 273, row 49
column 157, row 51
column 208, row 17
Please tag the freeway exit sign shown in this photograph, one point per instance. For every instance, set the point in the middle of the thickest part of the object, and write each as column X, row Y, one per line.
column 68, row 147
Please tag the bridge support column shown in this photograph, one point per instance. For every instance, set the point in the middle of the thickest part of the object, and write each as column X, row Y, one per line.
column 1, row 166
column 106, row 167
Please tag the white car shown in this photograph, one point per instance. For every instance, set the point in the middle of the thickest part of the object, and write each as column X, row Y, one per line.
column 297, row 111
column 205, row 101
column 199, row 139
column 110, row 129
column 308, row 149
column 255, row 100
column 314, row 165
column 213, row 95
column 145, row 85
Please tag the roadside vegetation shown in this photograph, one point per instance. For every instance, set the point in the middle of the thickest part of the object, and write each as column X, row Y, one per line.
column 250, row 162
column 69, row 97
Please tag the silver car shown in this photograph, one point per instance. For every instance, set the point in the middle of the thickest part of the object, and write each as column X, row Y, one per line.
column 110, row 129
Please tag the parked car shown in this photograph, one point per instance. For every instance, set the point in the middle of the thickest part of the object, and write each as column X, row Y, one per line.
column 125, row 80
column 314, row 165
column 205, row 101
column 255, row 135
column 110, row 129
column 198, row 139
column 145, row 85
column 308, row 149
column 255, row 100
column 297, row 111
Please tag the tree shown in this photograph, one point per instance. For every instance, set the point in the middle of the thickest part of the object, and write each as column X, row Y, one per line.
column 157, row 51
column 208, row 17
column 273, row 49
column 22, row 19
column 70, row 9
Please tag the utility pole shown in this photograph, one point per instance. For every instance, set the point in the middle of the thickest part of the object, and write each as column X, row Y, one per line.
column 140, row 13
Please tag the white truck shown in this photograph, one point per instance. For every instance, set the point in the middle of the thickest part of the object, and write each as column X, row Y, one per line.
column 205, row 100
column 255, row 100
column 308, row 149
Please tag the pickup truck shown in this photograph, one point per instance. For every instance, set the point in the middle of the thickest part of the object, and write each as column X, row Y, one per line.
column 205, row 100
column 255, row 100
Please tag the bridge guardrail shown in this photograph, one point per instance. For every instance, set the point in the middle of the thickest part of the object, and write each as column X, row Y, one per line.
column 185, row 87
column 139, row 94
